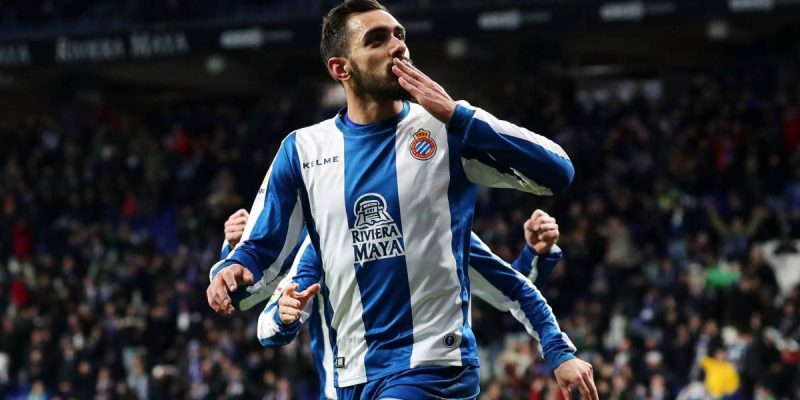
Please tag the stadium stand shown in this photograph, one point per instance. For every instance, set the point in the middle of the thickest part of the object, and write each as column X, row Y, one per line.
column 681, row 231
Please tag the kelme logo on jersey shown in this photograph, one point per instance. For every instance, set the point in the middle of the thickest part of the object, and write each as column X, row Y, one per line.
column 375, row 234
column 422, row 147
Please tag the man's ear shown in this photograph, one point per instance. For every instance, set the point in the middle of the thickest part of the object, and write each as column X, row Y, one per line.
column 338, row 68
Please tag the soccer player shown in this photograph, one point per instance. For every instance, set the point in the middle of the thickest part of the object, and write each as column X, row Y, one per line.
column 386, row 190
column 491, row 279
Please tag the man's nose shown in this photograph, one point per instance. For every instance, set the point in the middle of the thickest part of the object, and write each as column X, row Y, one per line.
column 398, row 48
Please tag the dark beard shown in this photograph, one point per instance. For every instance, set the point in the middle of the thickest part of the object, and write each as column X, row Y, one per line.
column 370, row 86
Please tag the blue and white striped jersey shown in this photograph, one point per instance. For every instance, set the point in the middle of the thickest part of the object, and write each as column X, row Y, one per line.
column 490, row 280
column 388, row 208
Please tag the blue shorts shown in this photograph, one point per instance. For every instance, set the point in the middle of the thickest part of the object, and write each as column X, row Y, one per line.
column 421, row 383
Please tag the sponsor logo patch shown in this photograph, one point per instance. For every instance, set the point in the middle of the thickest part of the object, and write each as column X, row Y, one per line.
column 375, row 234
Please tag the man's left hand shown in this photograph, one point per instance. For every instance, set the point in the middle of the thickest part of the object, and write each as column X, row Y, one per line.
column 429, row 94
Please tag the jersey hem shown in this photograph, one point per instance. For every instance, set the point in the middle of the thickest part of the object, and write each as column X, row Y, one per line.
column 463, row 362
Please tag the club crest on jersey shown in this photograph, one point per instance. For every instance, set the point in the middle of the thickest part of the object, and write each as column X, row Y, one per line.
column 422, row 146
column 375, row 234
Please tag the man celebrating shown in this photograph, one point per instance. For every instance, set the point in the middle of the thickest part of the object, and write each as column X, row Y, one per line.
column 386, row 190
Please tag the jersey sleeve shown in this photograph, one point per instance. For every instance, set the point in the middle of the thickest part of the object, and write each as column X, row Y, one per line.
column 494, row 281
column 537, row 267
column 275, row 224
column 305, row 271
column 499, row 154
column 226, row 249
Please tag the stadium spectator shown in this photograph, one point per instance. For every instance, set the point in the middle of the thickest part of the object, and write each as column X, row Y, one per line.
column 722, row 379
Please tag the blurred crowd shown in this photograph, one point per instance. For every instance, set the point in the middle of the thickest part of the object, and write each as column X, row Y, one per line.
column 80, row 16
column 680, row 233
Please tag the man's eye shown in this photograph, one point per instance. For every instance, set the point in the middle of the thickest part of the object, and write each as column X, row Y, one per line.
column 401, row 36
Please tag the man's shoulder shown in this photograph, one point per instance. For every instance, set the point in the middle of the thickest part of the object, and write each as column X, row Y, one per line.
column 321, row 127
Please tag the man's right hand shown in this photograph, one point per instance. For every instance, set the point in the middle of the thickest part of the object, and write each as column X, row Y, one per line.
column 291, row 304
column 234, row 227
column 429, row 94
column 227, row 280
column 576, row 373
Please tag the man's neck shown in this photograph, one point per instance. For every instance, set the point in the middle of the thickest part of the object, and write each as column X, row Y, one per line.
column 368, row 111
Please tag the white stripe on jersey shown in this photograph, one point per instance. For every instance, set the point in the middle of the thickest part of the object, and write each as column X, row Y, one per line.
column 432, row 273
column 327, row 201
column 485, row 175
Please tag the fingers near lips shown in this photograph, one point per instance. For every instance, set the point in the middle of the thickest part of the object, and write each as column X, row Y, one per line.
column 409, row 73
column 403, row 76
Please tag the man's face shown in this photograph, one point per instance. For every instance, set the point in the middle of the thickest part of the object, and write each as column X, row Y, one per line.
column 375, row 38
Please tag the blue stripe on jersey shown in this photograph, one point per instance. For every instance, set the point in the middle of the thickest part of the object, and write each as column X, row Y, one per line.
column 317, row 347
column 331, row 331
column 461, row 194
column 371, row 199
column 308, row 217
column 532, row 160
column 524, row 262
column 544, row 263
column 556, row 178
column 226, row 249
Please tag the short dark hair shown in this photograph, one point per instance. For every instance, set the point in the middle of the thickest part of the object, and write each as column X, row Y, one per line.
column 334, row 26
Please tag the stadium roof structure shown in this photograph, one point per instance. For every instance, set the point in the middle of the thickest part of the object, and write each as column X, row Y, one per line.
column 570, row 39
